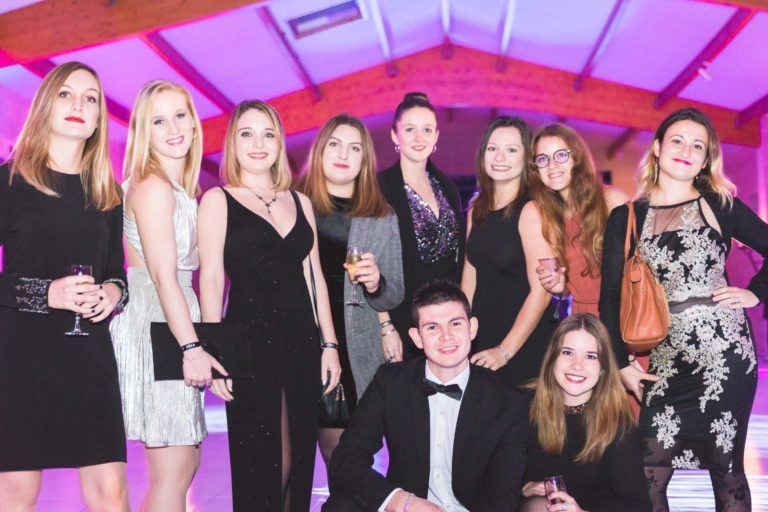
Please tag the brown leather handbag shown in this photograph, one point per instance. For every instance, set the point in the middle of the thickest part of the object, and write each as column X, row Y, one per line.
column 644, row 315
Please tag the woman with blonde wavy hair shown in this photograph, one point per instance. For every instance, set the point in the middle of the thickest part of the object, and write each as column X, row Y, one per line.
column 261, row 235
column 583, row 428
column 162, row 164
column 60, row 228
column 340, row 180
column 702, row 378
column 574, row 209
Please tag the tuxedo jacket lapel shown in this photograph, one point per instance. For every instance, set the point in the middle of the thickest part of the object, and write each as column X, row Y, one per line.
column 420, row 418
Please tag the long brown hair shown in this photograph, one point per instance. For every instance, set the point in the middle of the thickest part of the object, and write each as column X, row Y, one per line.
column 586, row 201
column 30, row 157
column 229, row 170
column 607, row 415
column 140, row 159
column 482, row 203
column 711, row 178
column 367, row 200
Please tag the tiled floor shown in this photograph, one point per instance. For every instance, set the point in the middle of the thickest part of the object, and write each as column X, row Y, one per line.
column 690, row 491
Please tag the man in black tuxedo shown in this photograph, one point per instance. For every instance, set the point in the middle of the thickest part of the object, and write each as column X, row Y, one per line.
column 456, row 435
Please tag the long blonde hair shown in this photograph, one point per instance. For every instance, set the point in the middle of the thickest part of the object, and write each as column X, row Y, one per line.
column 30, row 157
column 607, row 415
column 367, row 200
column 585, row 201
column 711, row 178
column 140, row 160
column 229, row 171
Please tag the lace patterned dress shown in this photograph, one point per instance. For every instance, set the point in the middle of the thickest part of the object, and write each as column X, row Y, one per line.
column 696, row 415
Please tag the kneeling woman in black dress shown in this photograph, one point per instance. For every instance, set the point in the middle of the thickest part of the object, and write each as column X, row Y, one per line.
column 583, row 428
column 60, row 207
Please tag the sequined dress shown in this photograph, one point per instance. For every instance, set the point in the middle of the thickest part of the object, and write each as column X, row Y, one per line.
column 696, row 415
column 269, row 292
column 59, row 396
column 158, row 413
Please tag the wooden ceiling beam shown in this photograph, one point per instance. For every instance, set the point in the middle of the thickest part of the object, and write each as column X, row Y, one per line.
column 469, row 79
column 59, row 26
column 265, row 13
column 590, row 64
column 182, row 66
column 116, row 110
column 505, row 35
column 730, row 30
column 384, row 34
column 754, row 111
column 621, row 141
column 761, row 5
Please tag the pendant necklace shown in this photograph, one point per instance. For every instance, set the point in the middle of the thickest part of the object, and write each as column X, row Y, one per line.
column 268, row 204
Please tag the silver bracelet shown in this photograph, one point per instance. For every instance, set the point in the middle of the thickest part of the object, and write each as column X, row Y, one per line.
column 407, row 502
column 123, row 292
column 506, row 355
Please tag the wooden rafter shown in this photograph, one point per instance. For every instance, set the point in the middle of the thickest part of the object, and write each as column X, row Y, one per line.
column 384, row 33
column 731, row 29
column 185, row 68
column 505, row 35
column 59, row 26
column 445, row 17
column 754, row 111
column 265, row 13
column 116, row 110
column 621, row 141
column 590, row 64
column 469, row 79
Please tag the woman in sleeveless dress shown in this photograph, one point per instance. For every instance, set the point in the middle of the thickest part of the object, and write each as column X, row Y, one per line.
column 504, row 245
column 574, row 209
column 59, row 207
column 702, row 378
column 161, row 167
column 262, row 236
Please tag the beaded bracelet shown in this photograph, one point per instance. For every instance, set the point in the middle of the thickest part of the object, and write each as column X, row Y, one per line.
column 190, row 346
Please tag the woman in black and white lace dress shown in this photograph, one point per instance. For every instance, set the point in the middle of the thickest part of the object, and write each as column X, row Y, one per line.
column 702, row 378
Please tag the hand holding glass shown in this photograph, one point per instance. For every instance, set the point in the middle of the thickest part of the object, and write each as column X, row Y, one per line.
column 354, row 255
column 551, row 264
column 552, row 484
column 79, row 270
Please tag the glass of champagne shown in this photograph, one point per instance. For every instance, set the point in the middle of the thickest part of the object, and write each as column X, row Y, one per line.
column 79, row 270
column 354, row 254
column 552, row 484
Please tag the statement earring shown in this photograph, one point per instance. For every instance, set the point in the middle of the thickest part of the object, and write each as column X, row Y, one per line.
column 397, row 148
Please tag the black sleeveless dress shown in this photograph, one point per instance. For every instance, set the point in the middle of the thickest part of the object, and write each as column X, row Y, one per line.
column 495, row 249
column 268, row 291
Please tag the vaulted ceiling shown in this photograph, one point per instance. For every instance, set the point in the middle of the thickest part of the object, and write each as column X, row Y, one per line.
column 626, row 63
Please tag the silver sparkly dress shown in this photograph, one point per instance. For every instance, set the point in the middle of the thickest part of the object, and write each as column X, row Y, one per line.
column 162, row 413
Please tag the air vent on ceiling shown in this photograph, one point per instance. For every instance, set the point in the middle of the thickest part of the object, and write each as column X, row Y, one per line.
column 329, row 17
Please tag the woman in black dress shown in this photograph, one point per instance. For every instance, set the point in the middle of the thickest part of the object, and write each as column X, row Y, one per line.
column 262, row 236
column 428, row 209
column 701, row 381
column 59, row 207
column 504, row 245
column 340, row 180
column 582, row 427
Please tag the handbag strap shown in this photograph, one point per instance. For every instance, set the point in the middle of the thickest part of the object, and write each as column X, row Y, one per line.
column 631, row 236
column 314, row 303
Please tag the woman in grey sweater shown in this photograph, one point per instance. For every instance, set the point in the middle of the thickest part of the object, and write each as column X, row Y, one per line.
column 351, row 211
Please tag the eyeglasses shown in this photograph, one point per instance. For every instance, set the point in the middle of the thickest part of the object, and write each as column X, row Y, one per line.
column 560, row 156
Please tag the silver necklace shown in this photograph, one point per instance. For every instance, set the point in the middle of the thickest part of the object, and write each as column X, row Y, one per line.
column 268, row 204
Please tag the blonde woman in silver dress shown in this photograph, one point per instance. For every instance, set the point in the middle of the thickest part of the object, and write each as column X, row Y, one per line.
column 162, row 166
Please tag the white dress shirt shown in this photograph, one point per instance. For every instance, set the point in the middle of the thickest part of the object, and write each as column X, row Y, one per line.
column 443, row 414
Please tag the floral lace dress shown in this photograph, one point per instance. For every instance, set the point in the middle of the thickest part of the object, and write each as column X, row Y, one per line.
column 696, row 415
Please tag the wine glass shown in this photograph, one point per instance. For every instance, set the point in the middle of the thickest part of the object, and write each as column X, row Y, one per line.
column 354, row 254
column 552, row 484
column 79, row 270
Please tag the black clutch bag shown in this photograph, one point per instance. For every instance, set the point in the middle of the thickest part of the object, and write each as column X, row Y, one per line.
column 333, row 406
column 227, row 342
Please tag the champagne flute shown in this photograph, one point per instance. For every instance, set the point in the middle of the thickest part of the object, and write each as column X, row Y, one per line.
column 354, row 254
column 79, row 270
column 552, row 484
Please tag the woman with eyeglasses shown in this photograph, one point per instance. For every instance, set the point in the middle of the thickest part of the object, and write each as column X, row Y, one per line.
column 503, row 247
column 574, row 209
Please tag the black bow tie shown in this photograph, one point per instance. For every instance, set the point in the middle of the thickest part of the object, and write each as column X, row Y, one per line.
column 451, row 390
